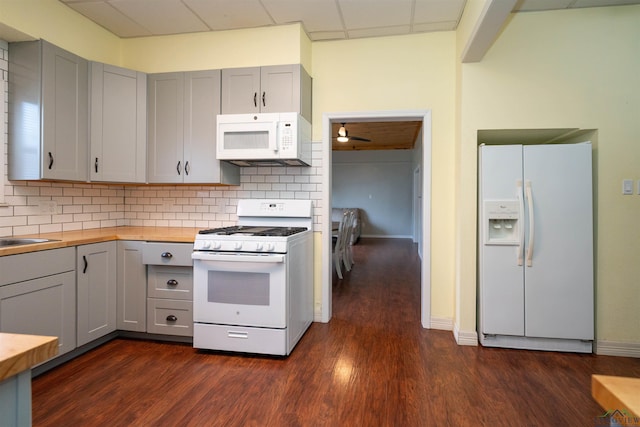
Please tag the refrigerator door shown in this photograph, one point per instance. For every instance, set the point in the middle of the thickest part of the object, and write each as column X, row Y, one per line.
column 501, row 281
column 559, row 282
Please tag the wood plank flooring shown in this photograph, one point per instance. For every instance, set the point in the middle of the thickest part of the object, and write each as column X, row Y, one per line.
column 372, row 365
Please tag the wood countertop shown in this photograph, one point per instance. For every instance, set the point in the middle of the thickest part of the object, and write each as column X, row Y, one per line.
column 21, row 352
column 617, row 394
column 96, row 235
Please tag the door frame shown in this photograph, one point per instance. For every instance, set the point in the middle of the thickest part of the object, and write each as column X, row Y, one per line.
column 325, row 209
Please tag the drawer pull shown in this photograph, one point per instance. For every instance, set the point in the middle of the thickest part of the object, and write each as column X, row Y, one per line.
column 238, row 334
column 171, row 318
column 172, row 282
column 166, row 255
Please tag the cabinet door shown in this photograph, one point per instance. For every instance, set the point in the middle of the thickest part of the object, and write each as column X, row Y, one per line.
column 202, row 105
column 165, row 127
column 280, row 89
column 118, row 124
column 131, row 307
column 241, row 90
column 96, row 282
column 65, row 121
column 43, row 306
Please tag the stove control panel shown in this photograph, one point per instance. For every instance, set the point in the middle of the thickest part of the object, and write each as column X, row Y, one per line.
column 239, row 246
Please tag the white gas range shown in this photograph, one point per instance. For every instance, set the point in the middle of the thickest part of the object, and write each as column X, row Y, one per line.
column 253, row 283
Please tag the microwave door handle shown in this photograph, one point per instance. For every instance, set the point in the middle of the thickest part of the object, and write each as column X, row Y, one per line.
column 273, row 142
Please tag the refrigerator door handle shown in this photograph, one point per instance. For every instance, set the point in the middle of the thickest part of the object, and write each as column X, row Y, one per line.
column 531, row 223
column 521, row 222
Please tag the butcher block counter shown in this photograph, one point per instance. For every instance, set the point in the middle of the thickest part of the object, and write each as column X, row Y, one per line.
column 18, row 354
column 619, row 396
column 96, row 235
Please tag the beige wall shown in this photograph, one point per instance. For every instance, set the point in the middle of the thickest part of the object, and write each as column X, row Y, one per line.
column 401, row 73
column 574, row 69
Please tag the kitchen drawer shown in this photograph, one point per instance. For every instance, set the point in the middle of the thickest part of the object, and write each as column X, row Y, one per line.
column 170, row 282
column 240, row 338
column 158, row 253
column 32, row 265
column 160, row 313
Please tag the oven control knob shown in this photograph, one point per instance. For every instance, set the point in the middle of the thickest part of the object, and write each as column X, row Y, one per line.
column 206, row 245
column 259, row 246
column 270, row 247
column 217, row 245
column 237, row 246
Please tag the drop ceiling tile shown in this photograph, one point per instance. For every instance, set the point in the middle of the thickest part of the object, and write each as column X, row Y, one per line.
column 327, row 35
column 230, row 14
column 363, row 14
column 110, row 18
column 530, row 5
column 379, row 32
column 161, row 16
column 317, row 15
column 438, row 10
column 592, row 3
column 434, row 26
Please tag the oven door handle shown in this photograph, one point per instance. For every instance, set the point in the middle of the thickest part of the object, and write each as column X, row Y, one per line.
column 212, row 256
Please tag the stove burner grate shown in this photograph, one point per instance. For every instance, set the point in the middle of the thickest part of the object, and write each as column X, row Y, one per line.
column 254, row 231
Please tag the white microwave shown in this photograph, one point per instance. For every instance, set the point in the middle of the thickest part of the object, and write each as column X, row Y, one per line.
column 266, row 139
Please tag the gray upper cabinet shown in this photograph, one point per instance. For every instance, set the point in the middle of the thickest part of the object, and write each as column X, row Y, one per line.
column 48, row 113
column 182, row 110
column 272, row 89
column 118, row 124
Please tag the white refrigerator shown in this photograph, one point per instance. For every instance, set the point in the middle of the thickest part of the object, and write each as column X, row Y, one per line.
column 535, row 247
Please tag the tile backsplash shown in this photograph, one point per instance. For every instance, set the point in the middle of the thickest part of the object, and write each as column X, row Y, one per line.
column 42, row 207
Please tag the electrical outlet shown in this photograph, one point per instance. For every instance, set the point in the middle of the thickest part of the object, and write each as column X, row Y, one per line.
column 627, row 186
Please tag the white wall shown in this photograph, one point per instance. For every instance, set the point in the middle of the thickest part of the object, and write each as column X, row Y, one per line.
column 380, row 183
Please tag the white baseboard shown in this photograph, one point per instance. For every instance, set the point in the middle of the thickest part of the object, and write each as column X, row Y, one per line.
column 614, row 348
column 465, row 337
column 442, row 323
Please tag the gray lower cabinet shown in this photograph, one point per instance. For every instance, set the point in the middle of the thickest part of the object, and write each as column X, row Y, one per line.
column 169, row 288
column 96, row 291
column 38, row 295
column 132, row 287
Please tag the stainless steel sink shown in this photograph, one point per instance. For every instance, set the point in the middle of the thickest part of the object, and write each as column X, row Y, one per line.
column 13, row 241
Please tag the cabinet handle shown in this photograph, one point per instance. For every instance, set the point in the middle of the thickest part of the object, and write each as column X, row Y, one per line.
column 86, row 264
column 172, row 282
column 171, row 318
column 255, row 99
column 263, row 100
column 178, row 167
column 50, row 160
column 96, row 165
column 186, row 167
column 166, row 255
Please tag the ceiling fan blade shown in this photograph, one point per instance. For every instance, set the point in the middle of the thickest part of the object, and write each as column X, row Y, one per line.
column 359, row 138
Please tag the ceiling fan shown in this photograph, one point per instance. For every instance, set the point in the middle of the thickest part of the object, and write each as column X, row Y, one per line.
column 343, row 135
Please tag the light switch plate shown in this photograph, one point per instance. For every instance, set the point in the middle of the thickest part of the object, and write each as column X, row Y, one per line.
column 627, row 186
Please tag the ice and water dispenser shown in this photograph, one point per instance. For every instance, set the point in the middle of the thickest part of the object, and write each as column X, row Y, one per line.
column 502, row 221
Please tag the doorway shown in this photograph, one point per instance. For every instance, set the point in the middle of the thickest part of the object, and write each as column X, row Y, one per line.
column 425, row 219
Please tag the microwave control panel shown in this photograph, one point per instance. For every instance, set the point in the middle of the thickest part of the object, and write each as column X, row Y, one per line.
column 287, row 136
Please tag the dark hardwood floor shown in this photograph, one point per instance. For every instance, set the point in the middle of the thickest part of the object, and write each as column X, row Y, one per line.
column 372, row 365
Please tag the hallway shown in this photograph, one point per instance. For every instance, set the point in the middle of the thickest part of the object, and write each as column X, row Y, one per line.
column 372, row 365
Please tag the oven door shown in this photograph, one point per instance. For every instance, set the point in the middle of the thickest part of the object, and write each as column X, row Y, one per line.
column 239, row 289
